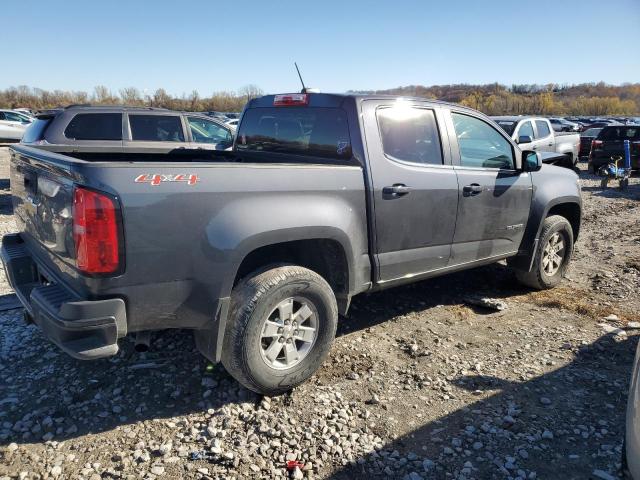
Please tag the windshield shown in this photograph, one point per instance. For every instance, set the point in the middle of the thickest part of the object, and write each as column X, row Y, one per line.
column 591, row 132
column 319, row 132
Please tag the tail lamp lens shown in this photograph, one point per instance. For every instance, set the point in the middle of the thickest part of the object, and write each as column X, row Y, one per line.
column 95, row 232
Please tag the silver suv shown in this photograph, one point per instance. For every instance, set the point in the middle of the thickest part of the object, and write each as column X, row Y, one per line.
column 119, row 129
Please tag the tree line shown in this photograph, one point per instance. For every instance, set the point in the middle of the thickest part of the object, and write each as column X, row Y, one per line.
column 493, row 99
column 39, row 99
column 551, row 99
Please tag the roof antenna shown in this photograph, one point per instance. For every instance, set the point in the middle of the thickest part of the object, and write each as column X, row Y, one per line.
column 304, row 89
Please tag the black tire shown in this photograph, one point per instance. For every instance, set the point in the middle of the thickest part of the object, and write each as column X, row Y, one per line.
column 538, row 278
column 252, row 300
column 604, row 182
column 624, row 183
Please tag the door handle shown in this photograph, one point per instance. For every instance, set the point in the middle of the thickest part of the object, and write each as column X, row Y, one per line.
column 473, row 189
column 535, row 147
column 396, row 190
column 551, row 144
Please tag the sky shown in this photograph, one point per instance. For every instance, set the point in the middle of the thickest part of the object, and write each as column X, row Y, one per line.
column 212, row 46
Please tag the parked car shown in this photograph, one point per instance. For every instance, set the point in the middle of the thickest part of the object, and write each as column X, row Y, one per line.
column 535, row 133
column 25, row 111
column 259, row 249
column 631, row 450
column 100, row 129
column 586, row 138
column 610, row 143
column 233, row 123
column 13, row 125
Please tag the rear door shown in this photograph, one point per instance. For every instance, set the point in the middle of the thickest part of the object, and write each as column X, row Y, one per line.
column 545, row 139
column 415, row 188
column 493, row 197
column 155, row 132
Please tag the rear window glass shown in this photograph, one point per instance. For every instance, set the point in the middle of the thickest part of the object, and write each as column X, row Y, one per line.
column 318, row 132
column 95, row 126
column 620, row 133
column 410, row 134
column 35, row 131
column 507, row 126
column 156, row 128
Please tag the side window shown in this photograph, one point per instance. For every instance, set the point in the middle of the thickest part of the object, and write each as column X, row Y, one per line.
column 206, row 131
column 95, row 126
column 480, row 144
column 543, row 129
column 156, row 128
column 2, row 116
column 410, row 134
column 526, row 130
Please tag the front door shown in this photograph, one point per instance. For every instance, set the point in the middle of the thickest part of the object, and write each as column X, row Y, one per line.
column 415, row 188
column 494, row 197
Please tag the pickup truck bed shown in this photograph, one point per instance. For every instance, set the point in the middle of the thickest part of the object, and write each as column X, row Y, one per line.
column 257, row 250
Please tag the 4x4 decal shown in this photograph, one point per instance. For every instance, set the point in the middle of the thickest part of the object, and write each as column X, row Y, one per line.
column 156, row 178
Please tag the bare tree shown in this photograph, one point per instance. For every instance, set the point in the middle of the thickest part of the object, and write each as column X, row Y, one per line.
column 250, row 91
column 130, row 96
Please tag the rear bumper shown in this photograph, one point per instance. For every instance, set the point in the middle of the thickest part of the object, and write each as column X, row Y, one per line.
column 85, row 329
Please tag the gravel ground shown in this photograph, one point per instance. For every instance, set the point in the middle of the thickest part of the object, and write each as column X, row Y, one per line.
column 419, row 384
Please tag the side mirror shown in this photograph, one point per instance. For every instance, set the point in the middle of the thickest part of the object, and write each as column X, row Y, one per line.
column 531, row 161
column 524, row 139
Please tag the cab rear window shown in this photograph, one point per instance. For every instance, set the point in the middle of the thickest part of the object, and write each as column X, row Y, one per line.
column 311, row 131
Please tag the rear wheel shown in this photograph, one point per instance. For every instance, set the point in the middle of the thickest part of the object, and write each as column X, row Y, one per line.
column 281, row 325
column 552, row 255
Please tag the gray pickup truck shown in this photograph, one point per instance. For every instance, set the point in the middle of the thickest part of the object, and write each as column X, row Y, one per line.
column 259, row 249
column 537, row 133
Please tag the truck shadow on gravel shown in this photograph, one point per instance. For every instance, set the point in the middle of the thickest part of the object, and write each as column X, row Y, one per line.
column 46, row 395
column 494, row 281
column 564, row 424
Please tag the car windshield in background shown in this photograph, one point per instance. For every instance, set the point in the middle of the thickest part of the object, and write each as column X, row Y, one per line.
column 318, row 132
column 620, row 133
column 35, row 131
column 206, row 131
column 507, row 126
column 591, row 132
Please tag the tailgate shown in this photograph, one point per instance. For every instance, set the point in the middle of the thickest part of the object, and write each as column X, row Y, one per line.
column 42, row 196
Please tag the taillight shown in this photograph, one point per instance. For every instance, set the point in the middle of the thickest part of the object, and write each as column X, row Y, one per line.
column 291, row 99
column 95, row 232
column 596, row 144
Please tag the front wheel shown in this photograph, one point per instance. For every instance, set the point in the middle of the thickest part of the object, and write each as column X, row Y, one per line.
column 552, row 255
column 281, row 325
